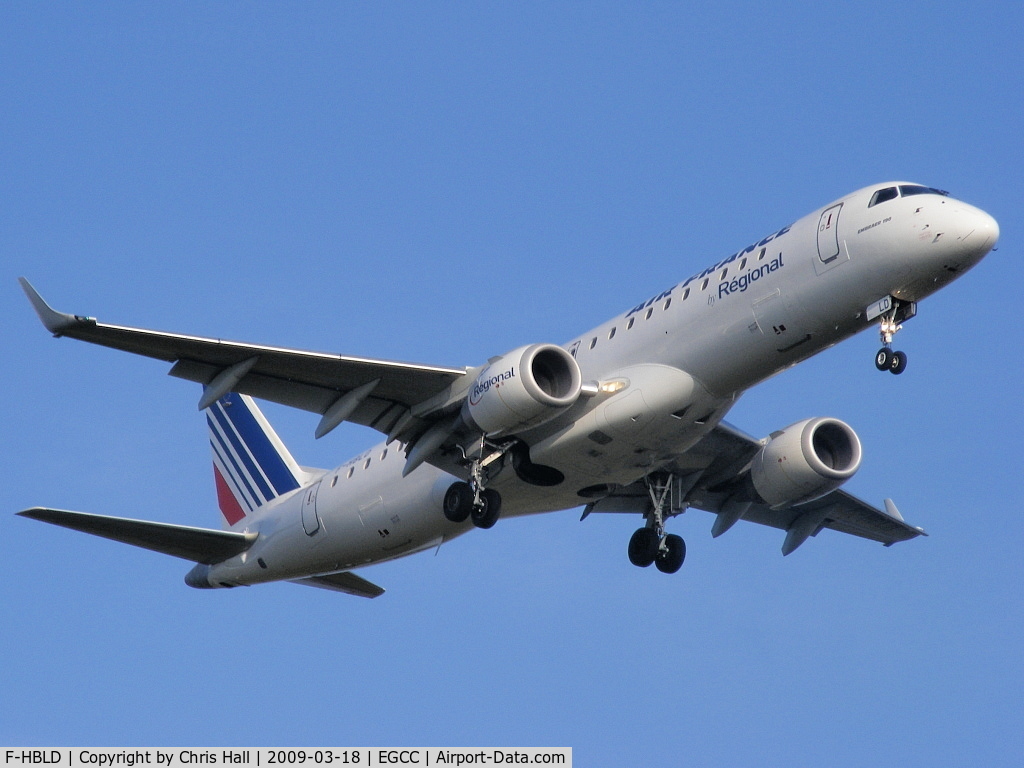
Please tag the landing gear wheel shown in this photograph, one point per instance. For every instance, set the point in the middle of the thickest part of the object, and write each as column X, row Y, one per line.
column 884, row 358
column 670, row 558
column 486, row 515
column 898, row 364
column 458, row 502
column 643, row 547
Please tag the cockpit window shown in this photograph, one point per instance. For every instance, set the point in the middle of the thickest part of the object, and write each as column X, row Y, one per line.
column 906, row 190
column 889, row 193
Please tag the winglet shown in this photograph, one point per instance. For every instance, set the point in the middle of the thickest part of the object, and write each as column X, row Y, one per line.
column 55, row 322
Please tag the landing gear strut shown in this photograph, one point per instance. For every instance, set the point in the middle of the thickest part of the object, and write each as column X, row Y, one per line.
column 886, row 359
column 474, row 499
column 651, row 544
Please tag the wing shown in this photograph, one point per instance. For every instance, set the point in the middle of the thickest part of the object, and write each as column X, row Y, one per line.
column 200, row 545
column 711, row 473
column 398, row 399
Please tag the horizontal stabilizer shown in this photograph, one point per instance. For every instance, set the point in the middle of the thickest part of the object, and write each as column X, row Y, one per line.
column 346, row 582
column 200, row 545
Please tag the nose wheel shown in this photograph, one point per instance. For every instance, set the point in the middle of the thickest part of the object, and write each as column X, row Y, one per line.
column 893, row 362
column 891, row 322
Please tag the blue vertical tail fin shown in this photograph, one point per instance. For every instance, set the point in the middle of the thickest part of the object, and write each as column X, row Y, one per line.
column 251, row 466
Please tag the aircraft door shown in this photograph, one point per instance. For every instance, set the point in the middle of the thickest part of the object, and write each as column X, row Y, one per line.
column 828, row 234
column 310, row 521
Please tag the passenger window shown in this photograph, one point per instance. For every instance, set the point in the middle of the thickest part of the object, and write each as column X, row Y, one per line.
column 743, row 264
column 611, row 334
column 883, row 195
column 350, row 471
column 704, row 285
column 630, row 323
column 650, row 312
column 761, row 254
column 668, row 301
column 593, row 342
column 366, row 464
column 384, row 454
column 686, row 294
column 334, row 482
column 724, row 273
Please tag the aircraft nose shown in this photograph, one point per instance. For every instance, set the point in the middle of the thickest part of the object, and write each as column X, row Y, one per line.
column 987, row 228
column 979, row 231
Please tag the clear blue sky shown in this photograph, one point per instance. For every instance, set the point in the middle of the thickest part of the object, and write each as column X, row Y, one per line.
column 441, row 184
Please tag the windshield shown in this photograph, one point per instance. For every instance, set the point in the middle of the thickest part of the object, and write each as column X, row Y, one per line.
column 882, row 195
column 906, row 190
column 903, row 190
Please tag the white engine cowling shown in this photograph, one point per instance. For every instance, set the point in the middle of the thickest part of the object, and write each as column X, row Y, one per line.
column 523, row 389
column 805, row 461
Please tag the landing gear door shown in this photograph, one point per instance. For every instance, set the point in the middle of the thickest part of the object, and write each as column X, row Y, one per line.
column 828, row 234
column 310, row 521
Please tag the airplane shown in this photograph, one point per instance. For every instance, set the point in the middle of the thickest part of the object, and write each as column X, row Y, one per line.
column 625, row 418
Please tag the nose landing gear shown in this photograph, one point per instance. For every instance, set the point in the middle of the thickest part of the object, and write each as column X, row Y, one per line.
column 895, row 312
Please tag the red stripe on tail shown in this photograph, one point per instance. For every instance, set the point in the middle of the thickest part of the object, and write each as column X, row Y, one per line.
column 229, row 506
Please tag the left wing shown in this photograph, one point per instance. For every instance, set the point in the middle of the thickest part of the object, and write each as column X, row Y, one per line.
column 399, row 399
column 713, row 471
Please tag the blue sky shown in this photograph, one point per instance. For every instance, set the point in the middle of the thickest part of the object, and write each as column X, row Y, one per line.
column 442, row 183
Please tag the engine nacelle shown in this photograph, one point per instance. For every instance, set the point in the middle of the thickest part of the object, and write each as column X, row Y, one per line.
column 805, row 461
column 523, row 389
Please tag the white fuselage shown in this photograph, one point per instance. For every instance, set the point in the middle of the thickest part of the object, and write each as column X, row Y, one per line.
column 682, row 359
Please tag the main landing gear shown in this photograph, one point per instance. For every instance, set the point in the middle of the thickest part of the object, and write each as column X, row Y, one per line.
column 651, row 544
column 474, row 499
column 886, row 359
column 460, row 503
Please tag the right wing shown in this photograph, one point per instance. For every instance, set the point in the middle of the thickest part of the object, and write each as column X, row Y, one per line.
column 399, row 399
column 715, row 470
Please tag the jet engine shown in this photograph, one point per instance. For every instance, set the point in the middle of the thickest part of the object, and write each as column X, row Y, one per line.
column 805, row 461
column 523, row 389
